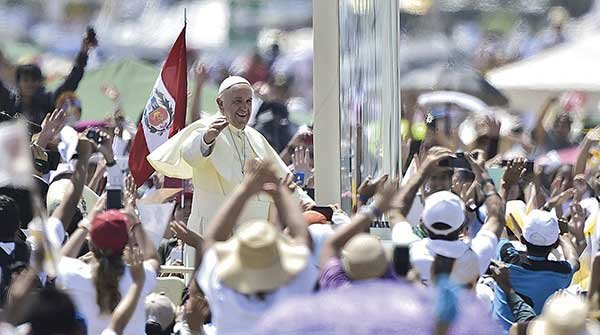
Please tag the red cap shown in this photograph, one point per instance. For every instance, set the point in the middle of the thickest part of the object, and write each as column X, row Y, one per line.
column 109, row 231
column 314, row 217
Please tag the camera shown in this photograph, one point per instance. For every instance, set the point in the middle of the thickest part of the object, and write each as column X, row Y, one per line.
column 94, row 134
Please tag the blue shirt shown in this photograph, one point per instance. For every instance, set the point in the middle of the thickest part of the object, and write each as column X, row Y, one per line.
column 533, row 278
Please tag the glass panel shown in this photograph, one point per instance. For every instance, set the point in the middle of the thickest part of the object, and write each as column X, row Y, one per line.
column 367, row 124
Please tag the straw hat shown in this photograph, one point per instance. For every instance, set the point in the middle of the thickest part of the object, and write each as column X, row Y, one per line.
column 258, row 258
column 57, row 191
column 363, row 257
column 563, row 315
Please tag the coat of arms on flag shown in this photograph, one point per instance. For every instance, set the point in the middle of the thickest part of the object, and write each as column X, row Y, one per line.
column 158, row 114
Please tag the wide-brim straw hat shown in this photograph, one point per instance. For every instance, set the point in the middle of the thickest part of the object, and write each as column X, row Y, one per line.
column 563, row 314
column 259, row 258
column 363, row 257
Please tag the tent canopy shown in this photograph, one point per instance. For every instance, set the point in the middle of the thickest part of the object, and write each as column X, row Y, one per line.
column 571, row 66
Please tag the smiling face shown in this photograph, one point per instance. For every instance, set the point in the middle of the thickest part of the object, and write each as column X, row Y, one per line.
column 236, row 105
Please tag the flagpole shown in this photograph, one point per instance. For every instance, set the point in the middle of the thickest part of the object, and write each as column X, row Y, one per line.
column 183, row 180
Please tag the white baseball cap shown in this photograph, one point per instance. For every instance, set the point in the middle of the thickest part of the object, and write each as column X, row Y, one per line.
column 443, row 207
column 541, row 228
column 232, row 81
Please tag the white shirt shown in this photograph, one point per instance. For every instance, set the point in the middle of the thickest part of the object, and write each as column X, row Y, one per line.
column 8, row 247
column 423, row 252
column 235, row 313
column 76, row 278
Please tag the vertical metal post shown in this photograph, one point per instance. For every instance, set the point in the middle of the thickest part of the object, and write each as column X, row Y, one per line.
column 326, row 106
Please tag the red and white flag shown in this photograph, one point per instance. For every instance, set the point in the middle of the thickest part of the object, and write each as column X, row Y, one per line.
column 164, row 114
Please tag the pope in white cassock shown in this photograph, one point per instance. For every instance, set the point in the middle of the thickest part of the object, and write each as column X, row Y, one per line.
column 214, row 150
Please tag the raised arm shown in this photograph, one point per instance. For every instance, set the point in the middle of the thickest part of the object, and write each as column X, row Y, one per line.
column 145, row 244
column 539, row 133
column 515, row 171
column 405, row 197
column 74, row 77
column 221, row 226
column 367, row 190
column 124, row 310
column 569, row 251
column 289, row 212
column 201, row 74
column 65, row 211
column 75, row 241
column 495, row 220
column 593, row 136
column 360, row 222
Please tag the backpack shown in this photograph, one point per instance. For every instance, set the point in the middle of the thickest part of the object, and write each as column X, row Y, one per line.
column 10, row 263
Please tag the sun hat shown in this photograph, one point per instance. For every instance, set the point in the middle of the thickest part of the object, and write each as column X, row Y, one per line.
column 563, row 314
column 160, row 309
column 541, row 228
column 109, row 231
column 58, row 189
column 231, row 81
column 363, row 257
column 443, row 207
column 258, row 258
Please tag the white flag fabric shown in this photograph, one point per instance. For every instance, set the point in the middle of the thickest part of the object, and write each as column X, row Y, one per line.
column 155, row 219
column 16, row 166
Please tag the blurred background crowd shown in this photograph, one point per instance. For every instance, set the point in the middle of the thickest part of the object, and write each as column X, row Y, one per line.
column 499, row 157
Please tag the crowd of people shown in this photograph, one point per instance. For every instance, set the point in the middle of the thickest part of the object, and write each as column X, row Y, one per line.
column 471, row 251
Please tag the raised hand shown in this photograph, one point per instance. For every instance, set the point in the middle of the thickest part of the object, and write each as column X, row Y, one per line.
column 385, row 195
column 301, row 162
column 110, row 91
column 580, row 186
column 196, row 310
column 577, row 223
column 301, row 138
column 369, row 186
column 262, row 174
column 134, row 258
column 89, row 40
column 501, row 275
column 187, row 236
column 201, row 73
column 130, row 193
column 215, row 128
column 516, row 170
column 490, row 127
column 51, row 126
column 434, row 156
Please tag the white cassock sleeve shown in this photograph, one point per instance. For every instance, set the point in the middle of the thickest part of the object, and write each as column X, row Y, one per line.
column 195, row 149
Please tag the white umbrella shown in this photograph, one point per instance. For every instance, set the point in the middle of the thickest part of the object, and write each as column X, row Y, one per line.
column 462, row 100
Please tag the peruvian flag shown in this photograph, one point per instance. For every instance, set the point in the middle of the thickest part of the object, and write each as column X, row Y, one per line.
column 164, row 114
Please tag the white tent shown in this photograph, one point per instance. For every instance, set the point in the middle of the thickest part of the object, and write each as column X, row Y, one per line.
column 571, row 66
